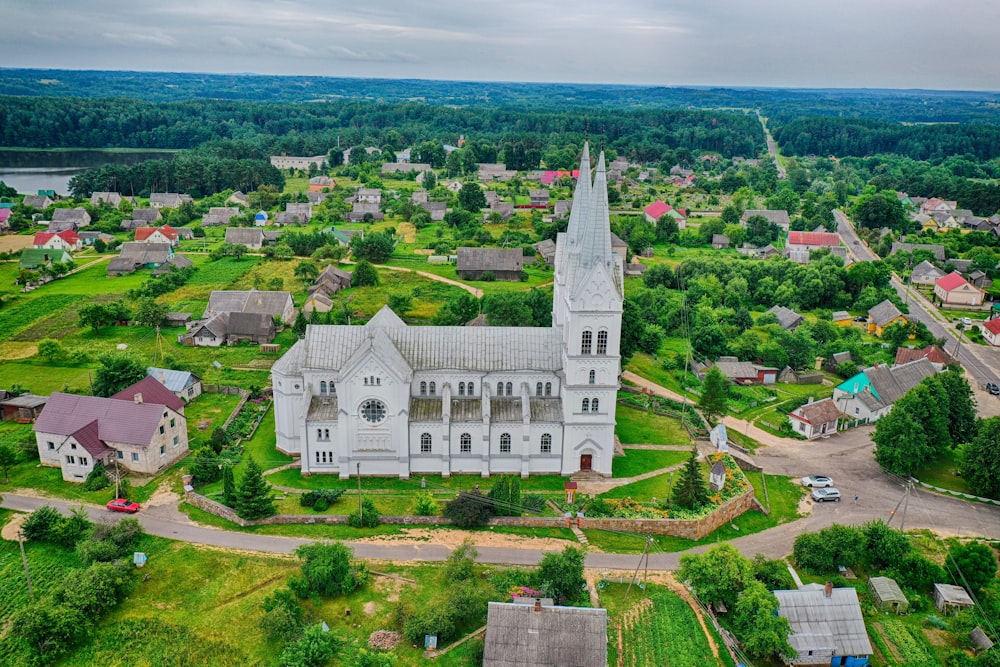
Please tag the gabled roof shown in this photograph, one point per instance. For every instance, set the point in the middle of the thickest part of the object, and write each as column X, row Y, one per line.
column 245, row 235
column 152, row 392
column 926, row 268
column 952, row 281
column 657, row 209
column 490, row 259
column 818, row 412
column 883, row 313
column 119, row 421
column 518, row 634
column 935, row 248
column 840, row 315
column 813, row 238
column 932, row 353
column 250, row 324
column 993, row 326
column 248, row 301
column 143, row 233
column 816, row 619
column 779, row 217
column 787, row 318
column 173, row 380
column 891, row 383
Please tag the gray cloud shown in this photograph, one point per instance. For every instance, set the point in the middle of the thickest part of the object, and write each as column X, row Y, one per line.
column 889, row 43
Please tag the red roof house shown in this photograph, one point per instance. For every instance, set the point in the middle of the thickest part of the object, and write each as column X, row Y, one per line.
column 657, row 210
column 551, row 176
column 816, row 239
column 164, row 234
column 955, row 289
column 64, row 240
column 931, row 353
column 991, row 331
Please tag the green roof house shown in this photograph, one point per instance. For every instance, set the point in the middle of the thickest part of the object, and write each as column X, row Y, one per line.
column 33, row 258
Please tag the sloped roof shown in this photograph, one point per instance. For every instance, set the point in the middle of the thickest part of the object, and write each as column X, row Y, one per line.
column 993, row 326
column 248, row 301
column 519, row 636
column 840, row 315
column 146, row 253
column 146, row 214
column 89, row 438
column 813, row 238
column 779, row 217
column 657, row 209
column 490, row 259
column 886, row 589
column 118, row 420
column 891, row 383
column 953, row 594
column 937, row 249
column 924, row 268
column 817, row 619
column 173, row 380
column 737, row 369
column 883, row 313
column 250, row 324
column 70, row 214
column 787, row 318
column 952, row 281
column 932, row 353
column 152, row 392
column 245, row 235
column 818, row 412
column 32, row 257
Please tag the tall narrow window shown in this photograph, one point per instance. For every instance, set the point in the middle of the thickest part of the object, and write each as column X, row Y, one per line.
column 585, row 341
column 546, row 443
column 602, row 342
column 333, row 388
column 593, row 405
column 326, row 434
column 548, row 388
column 505, row 443
column 423, row 388
column 425, row 443
column 593, row 376
column 510, row 389
column 465, row 443
column 432, row 389
column 586, row 405
column 366, row 381
column 499, row 388
column 461, row 389
column 319, row 434
column 538, row 389
column 322, row 387
column 472, row 389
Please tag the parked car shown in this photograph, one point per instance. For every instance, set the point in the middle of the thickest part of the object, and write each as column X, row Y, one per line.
column 860, row 318
column 823, row 495
column 993, row 388
column 817, row 481
column 123, row 505
column 967, row 321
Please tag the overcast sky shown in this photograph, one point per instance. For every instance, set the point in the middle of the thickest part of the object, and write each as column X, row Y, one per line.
column 797, row 43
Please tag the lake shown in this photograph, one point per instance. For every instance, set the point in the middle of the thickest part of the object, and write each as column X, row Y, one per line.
column 29, row 171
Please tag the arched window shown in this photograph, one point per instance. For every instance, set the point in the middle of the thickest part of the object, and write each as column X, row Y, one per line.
column 510, row 389
column 593, row 376
column 326, row 434
column 378, row 381
column 425, row 443
column 472, row 389
column 602, row 342
column 317, row 457
column 322, row 387
column 538, row 389
column 585, row 341
column 461, row 389
column 586, row 405
column 333, row 388
column 465, row 443
column 432, row 389
column 423, row 388
column 546, row 443
column 499, row 388
column 593, row 405
column 366, row 381
column 548, row 388
column 505, row 443
column 319, row 434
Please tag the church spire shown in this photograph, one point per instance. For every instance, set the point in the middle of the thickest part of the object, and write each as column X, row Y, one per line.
column 581, row 200
column 595, row 233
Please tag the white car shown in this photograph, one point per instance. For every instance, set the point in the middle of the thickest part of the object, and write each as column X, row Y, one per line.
column 817, row 481
column 967, row 321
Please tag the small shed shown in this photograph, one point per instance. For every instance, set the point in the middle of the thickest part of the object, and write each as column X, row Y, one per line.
column 717, row 476
column 887, row 595
column 949, row 598
column 24, row 408
column 980, row 642
column 719, row 438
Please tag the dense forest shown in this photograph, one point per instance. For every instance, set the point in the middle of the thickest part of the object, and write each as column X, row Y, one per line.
column 313, row 129
column 782, row 105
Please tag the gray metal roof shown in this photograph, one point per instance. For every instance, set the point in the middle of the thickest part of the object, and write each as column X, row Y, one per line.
column 323, row 408
column 546, row 410
column 953, row 594
column 173, row 380
column 891, row 383
column 886, row 589
column 427, row 409
column 815, row 619
column 30, row 401
column 248, row 301
column 248, row 236
column 519, row 636
column 490, row 259
column 935, row 248
column 505, row 410
column 787, row 318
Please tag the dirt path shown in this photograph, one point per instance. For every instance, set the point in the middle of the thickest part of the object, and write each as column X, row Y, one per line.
column 454, row 538
column 478, row 293
column 10, row 529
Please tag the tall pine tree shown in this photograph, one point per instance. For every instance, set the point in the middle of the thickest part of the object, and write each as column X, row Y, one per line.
column 253, row 497
column 714, row 393
column 228, row 486
column 691, row 490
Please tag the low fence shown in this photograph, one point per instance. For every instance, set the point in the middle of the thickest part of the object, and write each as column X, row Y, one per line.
column 688, row 529
column 957, row 494
column 221, row 389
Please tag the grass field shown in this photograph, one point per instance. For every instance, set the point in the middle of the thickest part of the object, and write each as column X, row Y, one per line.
column 944, row 472
column 636, row 427
column 639, row 461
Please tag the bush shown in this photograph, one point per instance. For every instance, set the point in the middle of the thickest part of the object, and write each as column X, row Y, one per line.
column 282, row 619
column 426, row 505
column 97, row 479
column 95, row 589
column 533, row 503
column 41, row 524
column 312, row 649
column 109, row 542
column 329, row 495
column 368, row 517
column 469, row 509
column 321, row 505
column 329, row 568
column 429, row 620
column 47, row 631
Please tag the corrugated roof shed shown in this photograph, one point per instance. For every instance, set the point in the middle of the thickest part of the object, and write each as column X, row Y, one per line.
column 519, row 636
column 816, row 619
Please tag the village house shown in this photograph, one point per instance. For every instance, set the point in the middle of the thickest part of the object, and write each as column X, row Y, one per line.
column 331, row 281
column 238, row 198
column 658, row 209
column 164, row 234
column 536, row 632
column 23, row 409
column 938, row 205
column 954, row 289
column 936, row 249
column 815, row 419
column 184, row 384
column 745, row 372
column 931, row 353
column 70, row 218
column 229, row 328
column 88, row 238
column 505, row 210
column 368, row 196
column 364, row 211
column 720, row 241
column 173, row 263
column 318, row 183
column 219, row 215
column 436, row 209
column 779, row 218
column 538, row 198
column 162, row 200
column 272, row 303
column 494, row 172
column 547, row 249
column 869, row 395
column 35, row 258
column 826, row 626
column 882, row 315
column 135, row 255
column 293, row 162
column 252, row 238
column 66, row 240
column 991, row 331
column 113, row 199
column 501, row 263
column 141, row 429
column 841, row 318
column 925, row 273
column 40, row 202
column 317, row 302
column 800, row 244
column 787, row 318
column 562, row 208
column 405, row 167
column 177, row 319
column 294, row 214
column 551, row 176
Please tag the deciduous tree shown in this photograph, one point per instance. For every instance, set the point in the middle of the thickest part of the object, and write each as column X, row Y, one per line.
column 972, row 565
column 718, row 575
column 714, row 393
column 329, row 568
column 560, row 575
column 761, row 631
column 117, row 371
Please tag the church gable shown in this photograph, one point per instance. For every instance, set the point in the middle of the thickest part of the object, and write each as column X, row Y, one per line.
column 376, row 362
column 597, row 290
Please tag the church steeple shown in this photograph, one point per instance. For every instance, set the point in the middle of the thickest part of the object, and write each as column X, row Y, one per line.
column 581, row 201
column 595, row 234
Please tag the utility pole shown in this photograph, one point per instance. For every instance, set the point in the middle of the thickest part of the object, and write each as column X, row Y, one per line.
column 361, row 509
column 24, row 559
column 644, row 556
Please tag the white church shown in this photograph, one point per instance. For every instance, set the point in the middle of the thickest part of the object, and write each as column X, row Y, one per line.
column 389, row 399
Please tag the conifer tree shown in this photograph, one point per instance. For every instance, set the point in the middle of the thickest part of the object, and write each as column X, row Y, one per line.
column 691, row 490
column 713, row 394
column 253, row 496
column 228, row 486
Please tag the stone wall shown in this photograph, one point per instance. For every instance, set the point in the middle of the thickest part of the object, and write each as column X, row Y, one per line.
column 692, row 530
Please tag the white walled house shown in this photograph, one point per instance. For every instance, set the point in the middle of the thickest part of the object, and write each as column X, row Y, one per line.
column 815, row 419
column 991, row 331
column 142, row 428
column 400, row 400
column 955, row 289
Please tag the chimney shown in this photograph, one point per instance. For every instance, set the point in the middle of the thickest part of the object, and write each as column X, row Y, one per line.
column 828, row 589
column 137, row 398
column 538, row 604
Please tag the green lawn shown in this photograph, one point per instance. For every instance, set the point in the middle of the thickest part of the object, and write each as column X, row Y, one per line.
column 293, row 478
column 639, row 461
column 637, row 427
column 943, row 472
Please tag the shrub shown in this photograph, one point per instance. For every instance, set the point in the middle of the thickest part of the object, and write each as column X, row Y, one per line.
column 321, row 505
column 312, row 649
column 368, row 517
column 329, row 568
column 329, row 495
column 282, row 619
column 109, row 542
column 41, row 524
column 469, row 509
column 97, row 479
column 429, row 620
column 533, row 503
column 47, row 631
column 95, row 589
column 426, row 505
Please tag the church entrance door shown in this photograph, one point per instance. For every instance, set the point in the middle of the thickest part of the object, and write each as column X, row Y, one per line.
column 586, row 462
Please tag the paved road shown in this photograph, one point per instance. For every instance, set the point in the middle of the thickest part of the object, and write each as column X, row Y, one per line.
column 772, row 148
column 982, row 363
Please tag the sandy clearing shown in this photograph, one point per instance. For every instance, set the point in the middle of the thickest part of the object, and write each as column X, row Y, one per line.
column 10, row 242
column 454, row 538
column 9, row 531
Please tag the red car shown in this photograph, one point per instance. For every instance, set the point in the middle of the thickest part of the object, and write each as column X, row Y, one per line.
column 123, row 505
